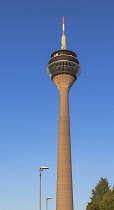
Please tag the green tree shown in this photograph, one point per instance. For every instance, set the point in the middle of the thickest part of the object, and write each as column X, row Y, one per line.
column 107, row 202
column 102, row 197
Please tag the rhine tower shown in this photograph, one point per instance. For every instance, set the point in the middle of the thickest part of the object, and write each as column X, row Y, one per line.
column 63, row 69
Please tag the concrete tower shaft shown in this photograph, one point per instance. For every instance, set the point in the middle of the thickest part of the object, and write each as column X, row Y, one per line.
column 64, row 196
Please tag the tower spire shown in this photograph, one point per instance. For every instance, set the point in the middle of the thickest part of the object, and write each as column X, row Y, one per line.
column 63, row 38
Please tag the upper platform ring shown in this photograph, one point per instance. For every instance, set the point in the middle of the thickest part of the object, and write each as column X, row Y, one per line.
column 63, row 62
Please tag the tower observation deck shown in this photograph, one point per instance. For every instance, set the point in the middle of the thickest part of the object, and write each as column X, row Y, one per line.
column 63, row 62
column 63, row 69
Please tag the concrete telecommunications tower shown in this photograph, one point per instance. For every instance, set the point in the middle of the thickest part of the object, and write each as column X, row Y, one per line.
column 63, row 69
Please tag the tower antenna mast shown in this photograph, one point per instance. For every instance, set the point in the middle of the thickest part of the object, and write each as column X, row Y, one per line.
column 63, row 38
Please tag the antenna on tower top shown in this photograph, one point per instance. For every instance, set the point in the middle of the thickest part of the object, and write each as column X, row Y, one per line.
column 63, row 25
column 63, row 38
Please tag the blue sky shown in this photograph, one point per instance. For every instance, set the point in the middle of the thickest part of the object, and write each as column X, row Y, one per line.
column 29, row 32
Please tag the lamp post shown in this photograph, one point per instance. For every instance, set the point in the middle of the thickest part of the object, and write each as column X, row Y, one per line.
column 40, row 170
column 47, row 198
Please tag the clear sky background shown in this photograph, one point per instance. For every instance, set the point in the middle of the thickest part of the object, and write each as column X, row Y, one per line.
column 30, row 30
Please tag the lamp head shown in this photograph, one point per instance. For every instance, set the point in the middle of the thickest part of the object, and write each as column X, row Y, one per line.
column 47, row 198
column 43, row 167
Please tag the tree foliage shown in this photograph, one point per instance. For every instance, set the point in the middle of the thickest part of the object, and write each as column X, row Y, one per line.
column 102, row 197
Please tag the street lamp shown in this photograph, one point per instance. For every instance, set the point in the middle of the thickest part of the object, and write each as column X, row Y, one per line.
column 40, row 170
column 47, row 198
